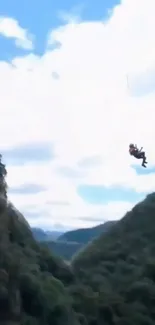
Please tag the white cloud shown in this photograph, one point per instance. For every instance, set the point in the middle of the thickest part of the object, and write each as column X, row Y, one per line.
column 38, row 210
column 87, row 111
column 10, row 28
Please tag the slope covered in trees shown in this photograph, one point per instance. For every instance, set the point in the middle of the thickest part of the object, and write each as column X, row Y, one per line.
column 117, row 271
column 84, row 235
column 32, row 289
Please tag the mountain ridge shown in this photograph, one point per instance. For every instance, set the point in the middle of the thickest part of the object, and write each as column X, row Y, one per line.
column 83, row 235
column 43, row 235
column 120, row 267
column 71, row 242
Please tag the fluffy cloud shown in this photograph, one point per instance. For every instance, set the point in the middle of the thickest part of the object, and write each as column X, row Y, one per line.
column 94, row 108
column 10, row 28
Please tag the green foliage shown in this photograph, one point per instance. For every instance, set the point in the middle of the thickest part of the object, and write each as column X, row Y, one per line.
column 32, row 281
column 119, row 267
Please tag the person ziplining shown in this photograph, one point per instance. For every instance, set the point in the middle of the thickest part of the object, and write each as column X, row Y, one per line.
column 137, row 153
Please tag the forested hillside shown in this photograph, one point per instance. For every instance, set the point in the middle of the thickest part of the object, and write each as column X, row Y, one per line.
column 84, row 235
column 117, row 271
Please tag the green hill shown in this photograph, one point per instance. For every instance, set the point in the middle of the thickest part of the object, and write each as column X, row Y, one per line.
column 68, row 244
column 117, row 271
column 85, row 235
column 64, row 249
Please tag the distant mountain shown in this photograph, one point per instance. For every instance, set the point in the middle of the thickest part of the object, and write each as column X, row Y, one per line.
column 53, row 235
column 41, row 235
column 69, row 243
column 83, row 236
column 64, row 249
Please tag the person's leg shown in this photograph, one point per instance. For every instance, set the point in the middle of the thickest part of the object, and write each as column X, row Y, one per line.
column 144, row 158
column 141, row 155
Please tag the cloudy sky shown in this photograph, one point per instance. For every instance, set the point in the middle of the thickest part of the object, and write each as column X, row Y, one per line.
column 77, row 85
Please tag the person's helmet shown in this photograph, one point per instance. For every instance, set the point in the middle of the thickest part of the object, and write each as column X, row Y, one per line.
column 131, row 145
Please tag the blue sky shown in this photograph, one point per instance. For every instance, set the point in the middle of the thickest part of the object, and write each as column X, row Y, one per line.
column 101, row 194
column 40, row 17
column 28, row 153
column 65, row 139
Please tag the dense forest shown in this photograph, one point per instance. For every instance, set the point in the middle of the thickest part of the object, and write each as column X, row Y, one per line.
column 111, row 282
column 117, row 271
